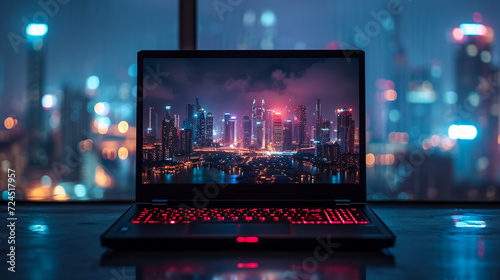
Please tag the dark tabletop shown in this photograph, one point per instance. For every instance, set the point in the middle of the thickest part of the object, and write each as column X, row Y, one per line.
column 434, row 241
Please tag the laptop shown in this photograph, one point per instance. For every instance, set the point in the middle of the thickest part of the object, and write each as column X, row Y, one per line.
column 250, row 150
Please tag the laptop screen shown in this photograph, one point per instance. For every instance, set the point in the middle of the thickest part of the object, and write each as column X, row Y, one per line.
column 273, row 120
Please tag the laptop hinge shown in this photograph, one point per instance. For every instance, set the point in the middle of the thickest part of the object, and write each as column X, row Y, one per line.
column 342, row 202
column 159, row 201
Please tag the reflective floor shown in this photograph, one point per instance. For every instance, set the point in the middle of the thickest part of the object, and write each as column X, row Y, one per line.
column 434, row 241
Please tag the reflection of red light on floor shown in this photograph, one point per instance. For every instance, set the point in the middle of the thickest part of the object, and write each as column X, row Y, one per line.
column 248, row 265
column 249, row 239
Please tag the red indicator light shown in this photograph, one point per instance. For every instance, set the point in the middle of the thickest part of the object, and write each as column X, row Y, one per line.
column 248, row 239
column 248, row 265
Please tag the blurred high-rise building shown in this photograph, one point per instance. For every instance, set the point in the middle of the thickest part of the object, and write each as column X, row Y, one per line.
column 37, row 137
column 75, row 127
column 477, row 97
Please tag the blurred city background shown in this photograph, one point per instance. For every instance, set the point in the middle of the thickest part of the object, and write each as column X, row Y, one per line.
column 68, row 87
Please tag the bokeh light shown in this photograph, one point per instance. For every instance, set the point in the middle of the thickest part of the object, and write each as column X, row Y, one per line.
column 123, row 153
column 123, row 127
column 93, row 82
column 49, row 101
column 9, row 123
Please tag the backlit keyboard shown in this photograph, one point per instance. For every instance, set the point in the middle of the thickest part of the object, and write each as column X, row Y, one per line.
column 160, row 215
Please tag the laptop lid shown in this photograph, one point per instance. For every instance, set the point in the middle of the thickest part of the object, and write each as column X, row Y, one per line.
column 251, row 125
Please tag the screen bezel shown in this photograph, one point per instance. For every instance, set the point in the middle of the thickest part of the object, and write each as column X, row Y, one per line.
column 146, row 193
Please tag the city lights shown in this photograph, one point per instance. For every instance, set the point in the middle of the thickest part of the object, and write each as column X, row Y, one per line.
column 49, row 101
column 59, row 193
column 421, row 96
column 123, row 126
column 370, row 160
column 268, row 18
column 102, row 108
column 80, row 190
column 464, row 132
column 390, row 95
column 473, row 29
column 37, row 29
column 123, row 153
column 458, row 34
column 9, row 123
column 92, row 82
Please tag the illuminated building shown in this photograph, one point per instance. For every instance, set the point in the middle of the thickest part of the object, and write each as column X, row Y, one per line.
column 227, row 129
column 150, row 132
column 233, row 132
column 325, row 132
column 189, row 121
column 345, row 130
column 169, row 133
column 319, row 121
column 287, row 135
column 259, row 135
column 277, row 132
column 247, row 131
column 186, row 141
column 332, row 152
column 300, row 124
column 258, row 116
column 210, row 130
column 200, row 125
column 177, row 121
column 268, row 118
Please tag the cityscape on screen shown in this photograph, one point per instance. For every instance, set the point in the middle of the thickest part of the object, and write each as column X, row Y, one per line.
column 281, row 121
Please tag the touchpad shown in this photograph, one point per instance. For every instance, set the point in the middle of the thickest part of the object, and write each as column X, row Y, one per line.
column 265, row 229
column 213, row 229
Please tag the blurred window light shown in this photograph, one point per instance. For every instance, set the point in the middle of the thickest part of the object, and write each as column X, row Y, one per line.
column 485, row 56
column 473, row 29
column 421, row 96
column 477, row 17
column 474, row 98
column 49, row 101
column 80, row 190
column 394, row 115
column 268, row 18
column 60, row 193
column 450, row 97
column 132, row 70
column 37, row 29
column 471, row 50
column 123, row 126
column 458, row 34
column 92, row 82
column 46, row 181
column 436, row 71
column 9, row 123
column 102, row 108
column 464, row 132
column 390, row 95
column 123, row 153
column 249, row 18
